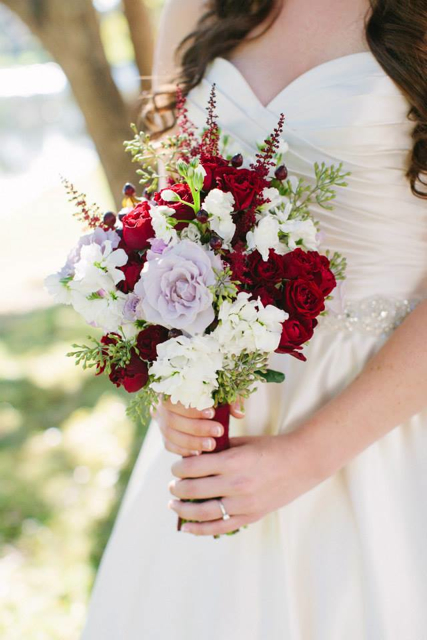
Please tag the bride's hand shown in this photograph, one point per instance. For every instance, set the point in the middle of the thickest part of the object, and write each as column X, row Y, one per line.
column 255, row 476
column 188, row 432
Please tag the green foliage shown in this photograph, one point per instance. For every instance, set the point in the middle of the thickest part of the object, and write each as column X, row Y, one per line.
column 150, row 155
column 269, row 375
column 338, row 264
column 238, row 379
column 303, row 195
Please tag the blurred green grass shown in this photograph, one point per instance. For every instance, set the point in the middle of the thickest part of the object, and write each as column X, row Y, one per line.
column 66, row 452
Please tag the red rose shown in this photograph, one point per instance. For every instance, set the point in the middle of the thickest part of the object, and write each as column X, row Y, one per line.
column 322, row 274
column 295, row 333
column 297, row 264
column 270, row 271
column 245, row 185
column 211, row 164
column 182, row 211
column 268, row 294
column 133, row 376
column 137, row 229
column 303, row 298
column 148, row 339
column 132, row 271
column 310, row 265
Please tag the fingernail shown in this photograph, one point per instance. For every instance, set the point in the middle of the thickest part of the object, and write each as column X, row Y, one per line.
column 239, row 412
column 195, row 453
column 208, row 443
column 185, row 528
column 217, row 431
column 209, row 413
column 170, row 503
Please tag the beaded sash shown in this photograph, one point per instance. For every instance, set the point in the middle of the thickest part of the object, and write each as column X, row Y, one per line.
column 376, row 316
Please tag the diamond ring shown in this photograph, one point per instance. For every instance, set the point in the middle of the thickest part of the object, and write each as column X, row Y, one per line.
column 225, row 515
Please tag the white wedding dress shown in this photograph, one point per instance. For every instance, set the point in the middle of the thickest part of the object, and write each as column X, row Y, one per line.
column 348, row 560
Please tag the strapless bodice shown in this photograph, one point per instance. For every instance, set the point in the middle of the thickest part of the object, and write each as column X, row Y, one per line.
column 347, row 110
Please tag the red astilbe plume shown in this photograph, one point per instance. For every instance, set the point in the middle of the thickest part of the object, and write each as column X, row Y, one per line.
column 210, row 137
column 90, row 214
column 271, row 144
column 189, row 145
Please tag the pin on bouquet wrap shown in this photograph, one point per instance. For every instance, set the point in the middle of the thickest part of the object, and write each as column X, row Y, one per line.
column 196, row 284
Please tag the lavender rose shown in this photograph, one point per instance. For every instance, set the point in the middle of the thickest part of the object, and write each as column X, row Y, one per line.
column 173, row 287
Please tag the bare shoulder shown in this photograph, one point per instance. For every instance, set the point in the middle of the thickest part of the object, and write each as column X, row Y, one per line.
column 179, row 18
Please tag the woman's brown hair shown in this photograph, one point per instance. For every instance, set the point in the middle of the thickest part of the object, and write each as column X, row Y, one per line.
column 396, row 32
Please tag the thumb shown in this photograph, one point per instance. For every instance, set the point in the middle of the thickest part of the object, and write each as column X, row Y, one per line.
column 237, row 408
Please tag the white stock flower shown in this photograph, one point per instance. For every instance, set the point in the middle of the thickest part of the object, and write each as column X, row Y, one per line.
column 265, row 236
column 103, row 309
column 300, row 231
column 220, row 205
column 191, row 233
column 186, row 370
column 246, row 325
column 162, row 229
column 275, row 199
column 98, row 268
column 57, row 286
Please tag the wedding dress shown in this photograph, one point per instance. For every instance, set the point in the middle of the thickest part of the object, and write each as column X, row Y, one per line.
column 348, row 560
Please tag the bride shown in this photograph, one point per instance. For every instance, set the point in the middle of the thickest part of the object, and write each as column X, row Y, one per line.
column 328, row 469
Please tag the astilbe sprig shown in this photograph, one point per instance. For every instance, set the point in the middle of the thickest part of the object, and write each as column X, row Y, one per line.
column 89, row 214
column 269, row 149
column 209, row 145
column 188, row 143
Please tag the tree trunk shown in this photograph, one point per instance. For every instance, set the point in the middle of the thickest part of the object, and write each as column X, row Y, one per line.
column 138, row 18
column 69, row 30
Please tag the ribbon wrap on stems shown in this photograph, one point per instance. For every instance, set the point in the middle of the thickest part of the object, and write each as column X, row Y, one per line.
column 222, row 415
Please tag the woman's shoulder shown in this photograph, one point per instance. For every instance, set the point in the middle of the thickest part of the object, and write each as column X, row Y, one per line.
column 178, row 19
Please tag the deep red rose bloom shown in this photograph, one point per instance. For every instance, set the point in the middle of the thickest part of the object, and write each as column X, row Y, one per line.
column 132, row 271
column 133, row 376
column 303, row 298
column 310, row 265
column 211, row 165
column 322, row 274
column 137, row 229
column 297, row 264
column 148, row 339
column 268, row 293
column 182, row 211
column 270, row 271
column 295, row 333
column 245, row 185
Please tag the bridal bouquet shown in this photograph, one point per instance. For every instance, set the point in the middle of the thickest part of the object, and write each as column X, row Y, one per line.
column 195, row 284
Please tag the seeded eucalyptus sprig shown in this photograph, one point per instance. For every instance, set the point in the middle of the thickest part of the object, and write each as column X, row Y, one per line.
column 237, row 379
column 338, row 264
column 302, row 195
column 225, row 287
column 103, row 356
column 149, row 155
column 141, row 404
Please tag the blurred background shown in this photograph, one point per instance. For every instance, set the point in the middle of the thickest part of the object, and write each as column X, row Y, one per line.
column 70, row 78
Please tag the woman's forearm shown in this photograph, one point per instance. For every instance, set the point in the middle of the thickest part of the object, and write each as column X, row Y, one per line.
column 391, row 388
